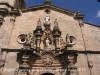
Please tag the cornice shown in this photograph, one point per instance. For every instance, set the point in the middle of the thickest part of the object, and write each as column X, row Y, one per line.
column 52, row 7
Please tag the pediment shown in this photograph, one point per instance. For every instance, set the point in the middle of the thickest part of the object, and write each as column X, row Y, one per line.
column 51, row 7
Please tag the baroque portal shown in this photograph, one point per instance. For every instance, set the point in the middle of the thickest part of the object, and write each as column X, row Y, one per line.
column 45, row 53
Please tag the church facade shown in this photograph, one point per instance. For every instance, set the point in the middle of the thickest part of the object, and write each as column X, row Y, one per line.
column 46, row 40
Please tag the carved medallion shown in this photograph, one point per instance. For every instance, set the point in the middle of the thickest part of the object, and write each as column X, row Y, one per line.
column 47, row 59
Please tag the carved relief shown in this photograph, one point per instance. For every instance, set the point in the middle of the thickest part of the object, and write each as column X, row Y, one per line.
column 46, row 45
column 46, row 39
column 47, row 59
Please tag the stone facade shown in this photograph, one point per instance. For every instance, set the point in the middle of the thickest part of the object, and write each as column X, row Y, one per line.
column 47, row 40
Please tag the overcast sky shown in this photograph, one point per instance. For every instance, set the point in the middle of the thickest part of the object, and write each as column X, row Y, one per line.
column 90, row 8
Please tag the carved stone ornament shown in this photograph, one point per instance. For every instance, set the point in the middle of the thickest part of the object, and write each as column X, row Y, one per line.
column 21, row 38
column 47, row 59
column 25, row 59
column 70, row 40
column 47, row 11
column 47, row 20
column 46, row 46
column 46, row 39
column 27, row 40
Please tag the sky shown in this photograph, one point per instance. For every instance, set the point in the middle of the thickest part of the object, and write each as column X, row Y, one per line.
column 90, row 8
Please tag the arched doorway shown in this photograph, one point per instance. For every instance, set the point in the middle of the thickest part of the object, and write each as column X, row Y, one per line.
column 47, row 74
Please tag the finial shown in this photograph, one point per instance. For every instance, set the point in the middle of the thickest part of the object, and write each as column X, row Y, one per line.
column 78, row 12
column 39, row 23
column 47, row 2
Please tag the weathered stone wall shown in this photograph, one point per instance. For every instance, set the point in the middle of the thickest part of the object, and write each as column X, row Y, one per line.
column 92, row 42
column 96, row 63
column 92, row 37
column 82, row 64
column 5, row 32
column 27, row 22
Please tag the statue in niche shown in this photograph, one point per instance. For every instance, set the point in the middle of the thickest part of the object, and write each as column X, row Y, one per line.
column 47, row 43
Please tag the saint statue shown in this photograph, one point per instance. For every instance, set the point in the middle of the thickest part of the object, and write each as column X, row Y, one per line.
column 47, row 43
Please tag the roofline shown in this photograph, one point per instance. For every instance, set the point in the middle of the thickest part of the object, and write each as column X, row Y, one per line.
column 91, row 24
column 34, row 8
